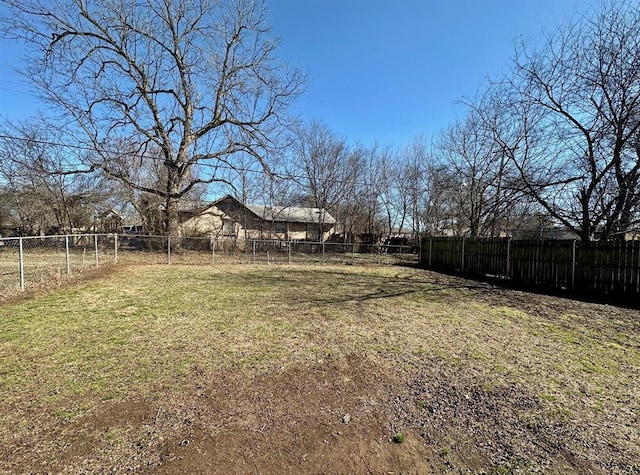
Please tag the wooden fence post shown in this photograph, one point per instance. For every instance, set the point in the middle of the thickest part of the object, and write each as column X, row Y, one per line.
column 605, row 267
column 573, row 266
column 508, row 276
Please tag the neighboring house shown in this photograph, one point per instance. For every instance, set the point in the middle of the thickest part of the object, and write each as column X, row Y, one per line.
column 545, row 233
column 109, row 221
column 631, row 235
column 228, row 218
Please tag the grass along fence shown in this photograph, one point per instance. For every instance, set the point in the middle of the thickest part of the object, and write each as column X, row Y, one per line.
column 609, row 268
column 29, row 262
column 35, row 261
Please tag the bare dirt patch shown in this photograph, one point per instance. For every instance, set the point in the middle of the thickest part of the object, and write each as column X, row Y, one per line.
column 327, row 416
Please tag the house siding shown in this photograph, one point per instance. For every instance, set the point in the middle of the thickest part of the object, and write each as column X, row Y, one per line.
column 210, row 222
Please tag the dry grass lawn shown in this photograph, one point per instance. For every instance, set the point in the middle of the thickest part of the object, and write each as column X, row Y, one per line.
column 314, row 369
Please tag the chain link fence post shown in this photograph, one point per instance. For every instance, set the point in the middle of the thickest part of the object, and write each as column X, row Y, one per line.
column 21, row 262
column 67, row 255
column 95, row 245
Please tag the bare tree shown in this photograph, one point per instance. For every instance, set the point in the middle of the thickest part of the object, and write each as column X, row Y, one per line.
column 148, row 175
column 42, row 197
column 423, row 187
column 370, row 180
column 395, row 213
column 348, row 211
column 573, row 121
column 324, row 166
column 193, row 84
column 481, row 179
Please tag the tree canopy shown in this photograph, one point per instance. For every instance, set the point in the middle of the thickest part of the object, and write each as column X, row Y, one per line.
column 192, row 84
column 170, row 96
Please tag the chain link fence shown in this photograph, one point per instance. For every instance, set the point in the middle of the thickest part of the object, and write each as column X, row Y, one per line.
column 31, row 262
column 35, row 261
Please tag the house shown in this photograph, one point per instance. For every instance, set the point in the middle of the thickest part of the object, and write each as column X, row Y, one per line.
column 227, row 218
column 559, row 233
column 109, row 221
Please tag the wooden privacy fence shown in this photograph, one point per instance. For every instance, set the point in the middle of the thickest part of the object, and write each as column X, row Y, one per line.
column 610, row 268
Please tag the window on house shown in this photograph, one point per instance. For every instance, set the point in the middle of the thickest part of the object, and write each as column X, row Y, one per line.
column 281, row 227
column 312, row 232
column 228, row 227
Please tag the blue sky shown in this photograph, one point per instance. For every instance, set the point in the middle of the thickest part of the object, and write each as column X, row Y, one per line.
column 380, row 70
column 390, row 70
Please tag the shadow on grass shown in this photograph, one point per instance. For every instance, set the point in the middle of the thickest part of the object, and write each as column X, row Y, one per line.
column 584, row 296
column 334, row 286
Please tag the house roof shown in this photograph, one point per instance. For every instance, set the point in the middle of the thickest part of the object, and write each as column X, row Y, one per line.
column 111, row 212
column 292, row 214
column 289, row 214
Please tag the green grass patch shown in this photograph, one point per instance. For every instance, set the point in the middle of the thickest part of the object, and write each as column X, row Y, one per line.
column 167, row 327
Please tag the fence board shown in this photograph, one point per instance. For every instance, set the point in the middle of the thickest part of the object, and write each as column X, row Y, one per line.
column 610, row 268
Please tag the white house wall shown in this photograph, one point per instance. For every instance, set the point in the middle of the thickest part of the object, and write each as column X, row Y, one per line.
column 210, row 223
